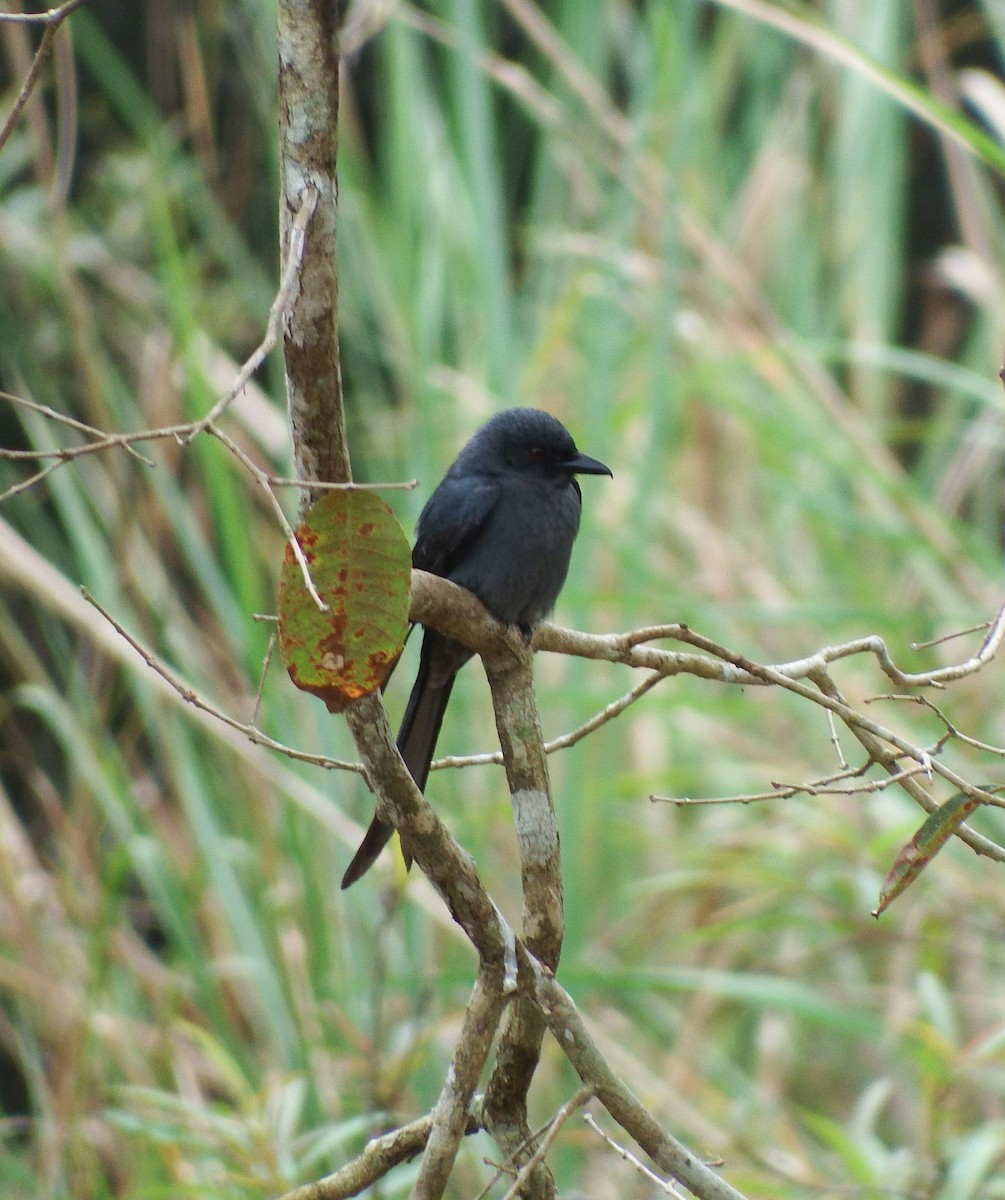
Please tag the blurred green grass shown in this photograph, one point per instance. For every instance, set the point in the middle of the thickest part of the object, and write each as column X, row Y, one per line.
column 741, row 275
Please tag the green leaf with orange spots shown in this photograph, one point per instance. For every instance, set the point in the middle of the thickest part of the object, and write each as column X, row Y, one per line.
column 360, row 565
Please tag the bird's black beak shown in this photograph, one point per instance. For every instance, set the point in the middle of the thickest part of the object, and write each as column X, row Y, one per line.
column 582, row 464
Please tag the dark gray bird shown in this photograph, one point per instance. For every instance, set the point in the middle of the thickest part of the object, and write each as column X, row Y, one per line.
column 501, row 524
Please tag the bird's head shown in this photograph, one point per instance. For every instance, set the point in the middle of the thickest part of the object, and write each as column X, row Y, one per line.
column 532, row 443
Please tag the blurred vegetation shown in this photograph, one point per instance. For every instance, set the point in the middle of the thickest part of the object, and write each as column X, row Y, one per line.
column 740, row 270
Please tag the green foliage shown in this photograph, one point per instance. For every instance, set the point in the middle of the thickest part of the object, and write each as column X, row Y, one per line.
column 727, row 257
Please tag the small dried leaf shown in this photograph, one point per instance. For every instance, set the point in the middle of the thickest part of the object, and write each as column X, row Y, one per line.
column 923, row 847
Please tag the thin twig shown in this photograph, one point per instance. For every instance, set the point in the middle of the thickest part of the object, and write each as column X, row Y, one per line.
column 664, row 1185
column 882, row 744
column 884, row 755
column 718, row 662
column 574, row 1040
column 952, row 731
column 452, row 1111
column 52, row 414
column 581, row 1097
column 260, row 690
column 608, row 713
column 52, row 20
column 784, row 791
column 17, row 488
column 128, row 441
column 191, row 696
column 262, row 479
column 948, row 637
column 31, row 79
column 504, row 1168
column 287, row 284
column 631, row 648
column 52, row 16
column 836, row 742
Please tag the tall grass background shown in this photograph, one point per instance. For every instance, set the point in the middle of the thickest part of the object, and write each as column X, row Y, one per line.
column 771, row 297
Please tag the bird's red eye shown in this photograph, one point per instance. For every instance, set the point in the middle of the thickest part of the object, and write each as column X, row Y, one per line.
column 537, row 454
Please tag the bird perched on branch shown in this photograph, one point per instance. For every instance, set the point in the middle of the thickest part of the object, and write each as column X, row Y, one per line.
column 501, row 524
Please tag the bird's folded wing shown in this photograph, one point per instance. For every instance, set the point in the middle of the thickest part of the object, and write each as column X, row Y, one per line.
column 456, row 511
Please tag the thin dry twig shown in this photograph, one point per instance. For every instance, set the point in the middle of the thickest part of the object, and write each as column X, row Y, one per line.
column 39, row 476
column 270, row 649
column 836, row 742
column 949, row 637
column 504, row 1168
column 664, row 1185
column 452, row 1111
column 885, row 756
column 186, row 432
column 51, row 16
column 828, row 786
column 44, row 410
column 952, row 731
column 287, row 285
column 554, row 1128
column 51, row 20
column 262, row 479
column 128, row 441
column 570, row 1032
column 189, row 694
column 632, row 648
column 726, row 666
column 608, row 713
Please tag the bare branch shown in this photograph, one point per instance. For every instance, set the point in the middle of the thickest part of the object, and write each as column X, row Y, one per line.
column 949, row 637
column 380, row 1155
column 887, row 759
column 51, row 414
column 263, row 481
column 452, row 611
column 836, row 742
column 951, row 730
column 608, row 713
column 451, row 1114
column 667, row 1188
column 821, row 787
column 17, row 488
column 448, row 867
column 307, row 39
column 31, row 79
column 52, row 16
column 630, row 648
column 518, row 724
column 181, row 433
column 280, row 305
column 573, row 1038
column 270, row 649
column 554, row 1128
column 191, row 696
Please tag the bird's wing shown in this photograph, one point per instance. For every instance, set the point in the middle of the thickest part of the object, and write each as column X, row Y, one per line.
column 450, row 522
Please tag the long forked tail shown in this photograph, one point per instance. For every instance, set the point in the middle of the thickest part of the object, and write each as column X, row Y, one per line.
column 420, row 727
